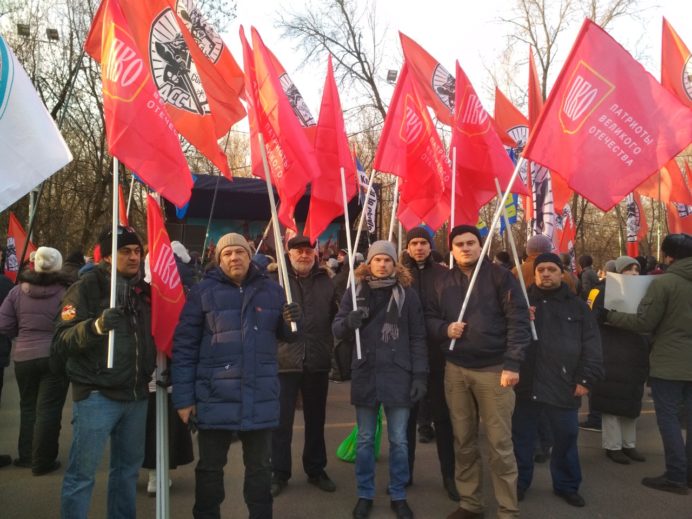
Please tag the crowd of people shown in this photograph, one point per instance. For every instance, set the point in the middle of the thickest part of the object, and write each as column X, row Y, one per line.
column 244, row 359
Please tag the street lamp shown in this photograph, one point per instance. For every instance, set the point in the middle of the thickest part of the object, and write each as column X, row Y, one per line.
column 52, row 34
column 23, row 30
column 391, row 76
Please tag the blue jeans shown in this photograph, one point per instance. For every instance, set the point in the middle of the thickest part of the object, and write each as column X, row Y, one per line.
column 397, row 419
column 564, row 461
column 669, row 396
column 95, row 420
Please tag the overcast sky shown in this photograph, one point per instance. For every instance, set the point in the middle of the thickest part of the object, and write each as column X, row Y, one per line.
column 467, row 30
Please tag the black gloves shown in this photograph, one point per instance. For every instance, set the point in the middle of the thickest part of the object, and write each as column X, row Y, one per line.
column 109, row 320
column 418, row 390
column 354, row 319
column 602, row 315
column 292, row 312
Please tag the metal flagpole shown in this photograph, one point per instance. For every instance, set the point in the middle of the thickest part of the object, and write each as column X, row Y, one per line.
column 114, row 260
column 517, row 262
column 211, row 213
column 486, row 245
column 280, row 257
column 454, row 202
column 351, row 255
column 162, row 449
column 264, row 235
column 394, row 204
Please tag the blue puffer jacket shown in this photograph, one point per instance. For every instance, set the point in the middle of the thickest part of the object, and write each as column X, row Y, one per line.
column 224, row 352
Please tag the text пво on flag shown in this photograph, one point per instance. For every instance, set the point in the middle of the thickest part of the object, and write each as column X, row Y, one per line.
column 31, row 146
column 411, row 149
column 16, row 237
column 607, row 124
column 332, row 153
column 167, row 296
column 138, row 129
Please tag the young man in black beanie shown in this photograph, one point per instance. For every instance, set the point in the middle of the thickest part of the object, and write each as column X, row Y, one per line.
column 560, row 368
column 481, row 369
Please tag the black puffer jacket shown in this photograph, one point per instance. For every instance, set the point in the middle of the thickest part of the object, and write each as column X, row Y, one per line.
column 567, row 353
column 312, row 351
column 626, row 363
column 497, row 331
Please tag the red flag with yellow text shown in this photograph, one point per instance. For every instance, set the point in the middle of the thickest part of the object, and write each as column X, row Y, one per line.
column 676, row 71
column 167, row 296
column 607, row 124
column 16, row 238
column 138, row 129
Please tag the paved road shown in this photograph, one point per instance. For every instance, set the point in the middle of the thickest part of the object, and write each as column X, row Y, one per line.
column 610, row 490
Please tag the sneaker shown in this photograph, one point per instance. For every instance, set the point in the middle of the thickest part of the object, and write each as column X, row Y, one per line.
column 401, row 509
column 572, row 498
column 590, row 426
column 22, row 463
column 664, row 484
column 278, row 486
column 633, row 454
column 362, row 509
column 451, row 488
column 46, row 470
column 323, row 482
column 617, row 456
column 426, row 434
column 151, row 484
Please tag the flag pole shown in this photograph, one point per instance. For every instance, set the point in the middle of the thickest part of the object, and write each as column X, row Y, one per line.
column 280, row 257
column 486, row 245
column 211, row 214
column 264, row 236
column 162, row 449
column 395, row 199
column 517, row 262
column 351, row 256
column 454, row 200
column 114, row 260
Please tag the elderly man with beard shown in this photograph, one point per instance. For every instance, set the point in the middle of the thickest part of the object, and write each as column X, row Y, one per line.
column 304, row 368
column 391, row 372
column 560, row 368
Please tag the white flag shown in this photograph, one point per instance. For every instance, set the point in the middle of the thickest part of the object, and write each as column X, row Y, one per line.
column 31, row 146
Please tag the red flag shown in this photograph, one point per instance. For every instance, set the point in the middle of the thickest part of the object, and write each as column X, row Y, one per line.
column 167, row 296
column 679, row 218
column 510, row 120
column 636, row 224
column 138, row 129
column 608, row 124
column 566, row 235
column 481, row 158
column 155, row 31
column 289, row 153
column 675, row 65
column 668, row 185
column 16, row 237
column 332, row 153
column 535, row 94
column 410, row 148
column 122, row 207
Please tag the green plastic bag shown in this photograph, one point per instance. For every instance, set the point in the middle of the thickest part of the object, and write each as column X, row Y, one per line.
column 347, row 450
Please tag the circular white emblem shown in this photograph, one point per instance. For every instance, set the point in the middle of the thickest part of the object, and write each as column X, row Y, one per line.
column 687, row 77
column 444, row 85
column 202, row 31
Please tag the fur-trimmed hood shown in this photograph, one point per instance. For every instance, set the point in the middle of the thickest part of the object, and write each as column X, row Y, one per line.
column 403, row 276
column 44, row 279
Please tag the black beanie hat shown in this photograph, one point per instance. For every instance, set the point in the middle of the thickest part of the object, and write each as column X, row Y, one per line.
column 126, row 236
column 548, row 257
column 677, row 246
column 461, row 229
column 418, row 232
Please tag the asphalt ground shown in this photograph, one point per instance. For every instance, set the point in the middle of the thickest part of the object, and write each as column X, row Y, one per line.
column 610, row 490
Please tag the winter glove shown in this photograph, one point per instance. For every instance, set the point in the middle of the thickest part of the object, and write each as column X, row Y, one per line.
column 292, row 312
column 354, row 319
column 109, row 320
column 418, row 390
column 164, row 379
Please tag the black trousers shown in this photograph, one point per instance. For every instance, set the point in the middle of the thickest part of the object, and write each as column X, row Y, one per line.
column 444, row 435
column 42, row 396
column 314, row 388
column 213, row 454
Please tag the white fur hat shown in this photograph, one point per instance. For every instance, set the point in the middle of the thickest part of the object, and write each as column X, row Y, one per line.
column 47, row 259
column 180, row 251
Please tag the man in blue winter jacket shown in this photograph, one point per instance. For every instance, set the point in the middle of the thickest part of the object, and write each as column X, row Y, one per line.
column 224, row 373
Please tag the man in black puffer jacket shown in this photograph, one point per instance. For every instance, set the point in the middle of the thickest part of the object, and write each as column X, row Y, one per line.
column 304, row 368
column 560, row 368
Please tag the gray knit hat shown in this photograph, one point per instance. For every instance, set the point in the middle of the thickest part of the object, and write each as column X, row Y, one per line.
column 539, row 244
column 623, row 262
column 229, row 240
column 381, row 247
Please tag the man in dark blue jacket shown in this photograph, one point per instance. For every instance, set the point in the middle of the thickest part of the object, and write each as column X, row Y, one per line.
column 560, row 368
column 224, row 373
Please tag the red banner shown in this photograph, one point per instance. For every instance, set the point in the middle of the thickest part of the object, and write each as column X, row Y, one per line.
column 675, row 65
column 138, row 129
column 122, row 208
column 167, row 296
column 607, row 124
column 667, row 186
column 636, row 224
column 679, row 218
column 16, row 237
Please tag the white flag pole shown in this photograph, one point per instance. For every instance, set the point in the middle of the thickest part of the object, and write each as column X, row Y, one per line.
column 394, row 207
column 114, row 260
column 486, row 245
column 280, row 257
column 517, row 262
column 162, row 449
column 454, row 202
column 351, row 255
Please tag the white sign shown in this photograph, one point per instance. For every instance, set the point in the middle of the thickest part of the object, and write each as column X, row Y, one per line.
column 623, row 293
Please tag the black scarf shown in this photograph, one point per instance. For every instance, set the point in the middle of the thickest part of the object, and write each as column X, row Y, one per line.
column 390, row 329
